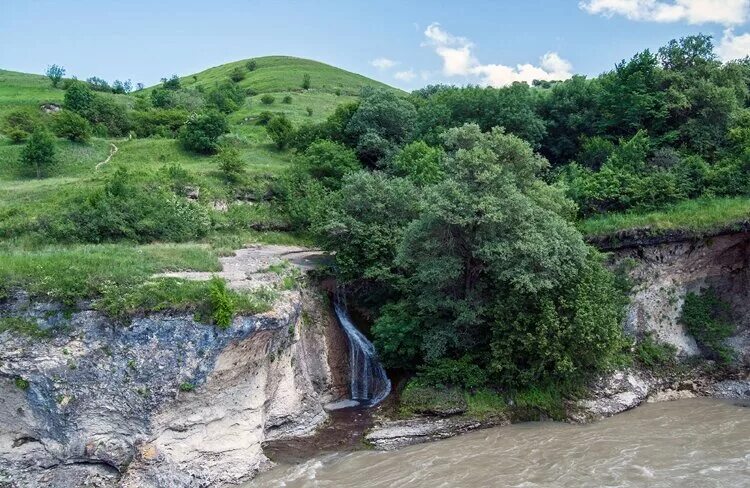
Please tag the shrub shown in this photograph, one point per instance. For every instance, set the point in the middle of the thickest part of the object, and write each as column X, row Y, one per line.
column 280, row 130
column 55, row 74
column 461, row 373
column 98, row 84
column 545, row 399
column 226, row 97
column 222, row 304
column 187, row 387
column 251, row 65
column 72, row 126
column 202, row 130
column 165, row 123
column 328, row 161
column 309, row 111
column 306, row 81
column 38, row 155
column 230, row 163
column 124, row 209
column 108, row 115
column 265, row 117
column 78, row 97
column 287, row 99
column 653, row 354
column 19, row 124
column 708, row 319
column 162, row 98
column 172, row 83
column 21, row 383
column 267, row 99
column 237, row 74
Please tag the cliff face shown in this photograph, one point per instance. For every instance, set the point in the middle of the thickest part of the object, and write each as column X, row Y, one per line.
column 665, row 272
column 162, row 401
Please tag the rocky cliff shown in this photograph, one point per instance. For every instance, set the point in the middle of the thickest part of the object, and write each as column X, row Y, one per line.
column 161, row 401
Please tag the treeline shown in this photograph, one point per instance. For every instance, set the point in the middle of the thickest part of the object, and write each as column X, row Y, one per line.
column 451, row 211
column 659, row 128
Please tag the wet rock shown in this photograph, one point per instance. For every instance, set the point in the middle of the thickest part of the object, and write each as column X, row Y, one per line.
column 396, row 434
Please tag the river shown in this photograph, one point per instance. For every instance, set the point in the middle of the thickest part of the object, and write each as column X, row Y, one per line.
column 698, row 443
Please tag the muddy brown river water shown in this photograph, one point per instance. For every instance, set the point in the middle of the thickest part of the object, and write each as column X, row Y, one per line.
column 699, row 443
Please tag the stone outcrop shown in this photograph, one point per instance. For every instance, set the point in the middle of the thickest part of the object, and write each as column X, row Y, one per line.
column 163, row 400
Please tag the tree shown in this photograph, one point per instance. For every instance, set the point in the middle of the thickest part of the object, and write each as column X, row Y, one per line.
column 226, row 97
column 418, row 162
column 19, row 124
column 38, row 154
column 328, row 162
column 202, row 130
column 72, row 126
column 306, row 81
column 79, row 97
column 172, row 83
column 251, row 65
column 280, row 130
column 55, row 74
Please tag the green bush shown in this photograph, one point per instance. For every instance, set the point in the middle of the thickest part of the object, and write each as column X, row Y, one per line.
column 202, row 130
column 230, row 163
column 72, row 126
column 328, row 162
column 287, row 99
column 187, row 387
column 306, row 81
column 708, row 319
column 418, row 162
column 19, row 124
column 222, row 304
column 38, row 155
column 463, row 373
column 225, row 97
column 21, row 383
column 265, row 117
column 280, row 130
column 124, row 209
column 545, row 399
column 163, row 98
column 309, row 111
column 237, row 74
column 653, row 354
column 164, row 123
column 251, row 65
column 267, row 99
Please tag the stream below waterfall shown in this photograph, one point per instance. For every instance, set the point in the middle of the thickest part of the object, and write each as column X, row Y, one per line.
column 698, row 443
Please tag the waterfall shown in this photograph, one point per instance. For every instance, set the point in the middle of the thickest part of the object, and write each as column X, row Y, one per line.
column 369, row 383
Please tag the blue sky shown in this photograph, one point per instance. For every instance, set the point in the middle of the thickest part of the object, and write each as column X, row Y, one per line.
column 416, row 42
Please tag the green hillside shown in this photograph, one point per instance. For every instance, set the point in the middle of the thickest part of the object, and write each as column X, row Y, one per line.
column 284, row 73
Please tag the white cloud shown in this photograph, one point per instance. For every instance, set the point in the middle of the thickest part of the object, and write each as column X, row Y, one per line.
column 725, row 12
column 459, row 60
column 733, row 46
column 407, row 75
column 383, row 63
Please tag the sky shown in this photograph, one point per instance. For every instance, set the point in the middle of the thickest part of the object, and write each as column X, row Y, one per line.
column 405, row 43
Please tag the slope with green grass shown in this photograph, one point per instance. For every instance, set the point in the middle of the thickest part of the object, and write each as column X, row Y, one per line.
column 274, row 74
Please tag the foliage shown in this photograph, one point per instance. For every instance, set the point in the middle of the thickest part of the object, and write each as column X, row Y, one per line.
column 418, row 162
column 172, row 83
column 38, row 155
column 21, row 383
column 237, row 74
column 125, row 209
column 225, row 97
column 267, row 99
column 55, row 74
column 287, row 99
column 202, row 130
column 230, row 163
column 708, row 319
column 328, row 162
column 23, row 326
column 654, row 354
column 72, row 126
column 19, row 124
column 419, row 399
column 280, row 130
column 222, row 305
column 463, row 373
column 251, row 65
column 163, row 123
column 306, row 81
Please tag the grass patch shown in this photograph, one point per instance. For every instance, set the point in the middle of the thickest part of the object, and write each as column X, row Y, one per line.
column 653, row 354
column 20, row 325
column 426, row 400
column 708, row 319
column 700, row 215
column 69, row 274
column 538, row 402
column 485, row 403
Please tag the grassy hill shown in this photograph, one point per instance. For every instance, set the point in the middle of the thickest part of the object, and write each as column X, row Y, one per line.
column 274, row 74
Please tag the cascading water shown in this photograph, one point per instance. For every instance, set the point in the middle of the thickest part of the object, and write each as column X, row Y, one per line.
column 369, row 383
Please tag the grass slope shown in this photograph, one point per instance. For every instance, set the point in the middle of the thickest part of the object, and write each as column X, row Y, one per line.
column 276, row 74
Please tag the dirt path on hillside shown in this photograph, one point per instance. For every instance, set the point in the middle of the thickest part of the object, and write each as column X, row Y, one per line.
column 112, row 152
column 257, row 266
